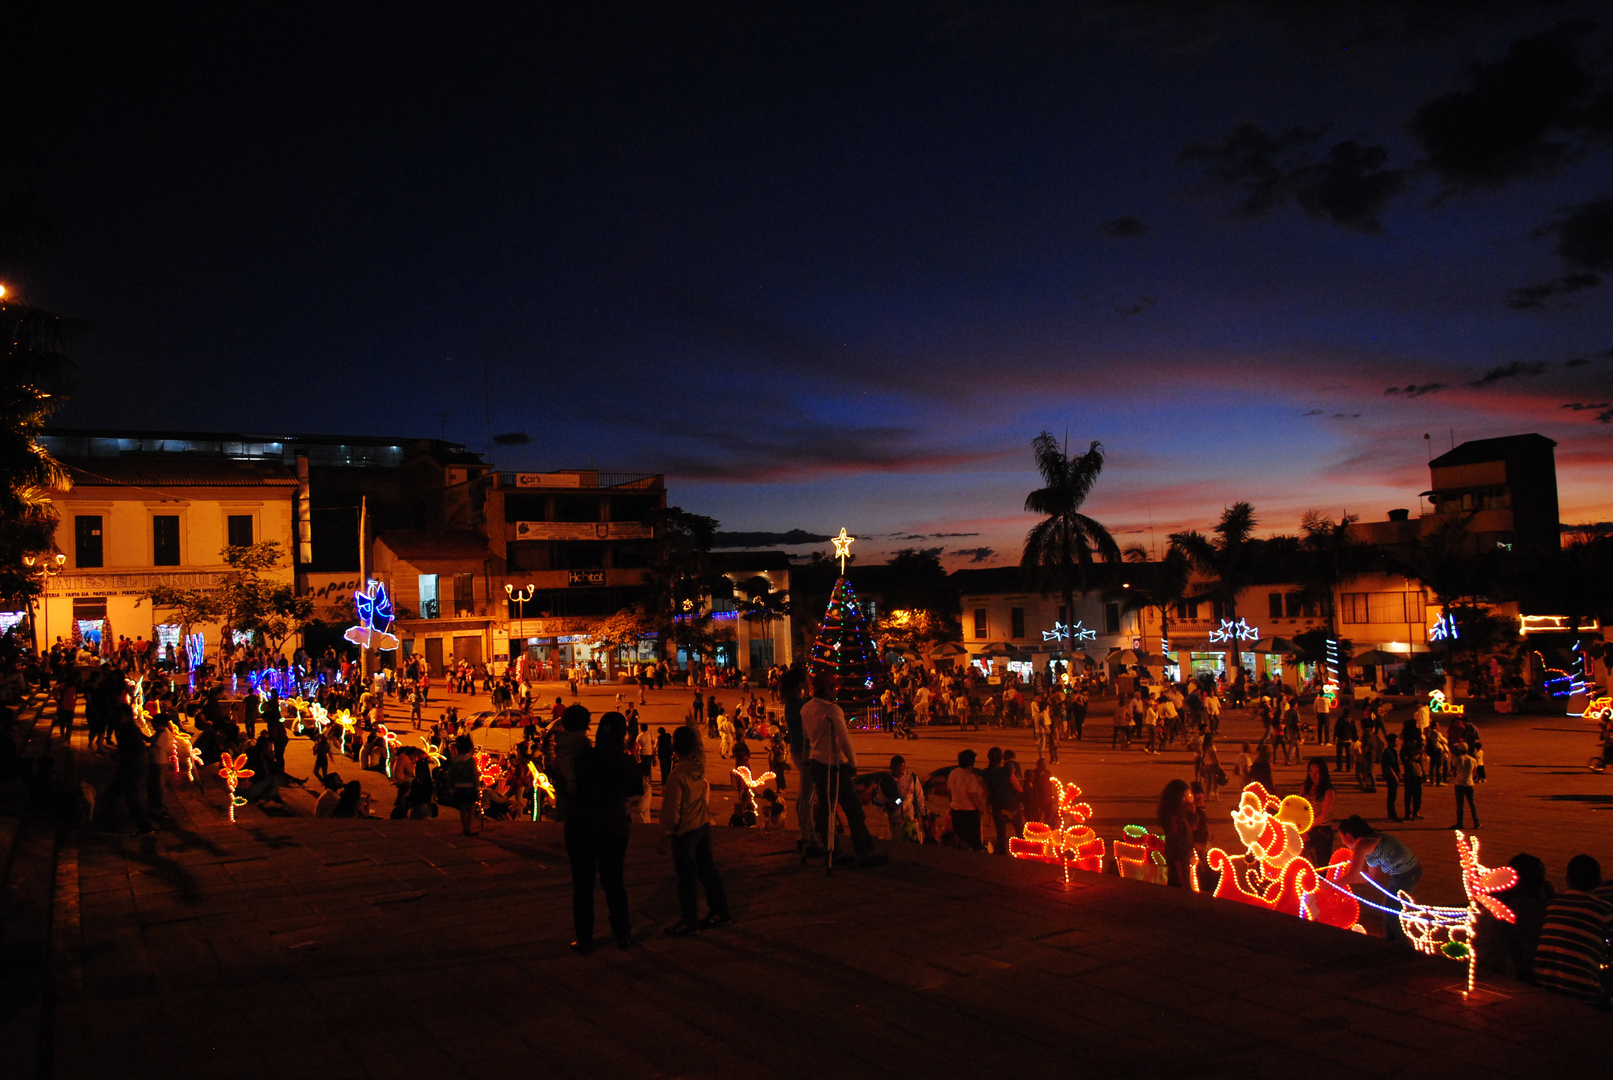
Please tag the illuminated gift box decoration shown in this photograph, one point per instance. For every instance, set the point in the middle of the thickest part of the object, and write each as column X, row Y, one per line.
column 1072, row 843
column 1141, row 856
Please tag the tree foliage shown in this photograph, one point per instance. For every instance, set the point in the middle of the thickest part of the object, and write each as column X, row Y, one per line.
column 1062, row 550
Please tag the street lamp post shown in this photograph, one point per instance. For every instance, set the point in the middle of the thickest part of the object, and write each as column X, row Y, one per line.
column 520, row 596
column 48, row 569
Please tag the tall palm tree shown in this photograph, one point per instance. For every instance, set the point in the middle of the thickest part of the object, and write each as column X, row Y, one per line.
column 1333, row 559
column 1160, row 585
column 1061, row 549
column 1231, row 558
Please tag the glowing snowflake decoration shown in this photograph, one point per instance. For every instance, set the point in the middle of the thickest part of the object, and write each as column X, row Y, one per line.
column 1230, row 631
column 1074, row 633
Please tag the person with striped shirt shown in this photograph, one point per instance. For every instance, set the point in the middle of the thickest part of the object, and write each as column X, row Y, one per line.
column 1573, row 945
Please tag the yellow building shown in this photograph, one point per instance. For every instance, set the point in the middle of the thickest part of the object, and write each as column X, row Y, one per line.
column 131, row 524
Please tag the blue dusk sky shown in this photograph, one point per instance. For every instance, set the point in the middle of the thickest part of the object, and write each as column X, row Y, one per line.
column 837, row 264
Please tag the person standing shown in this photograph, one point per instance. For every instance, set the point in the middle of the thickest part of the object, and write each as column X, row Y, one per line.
column 663, row 753
column 1319, row 790
column 1411, row 752
column 1389, row 760
column 1462, row 768
column 829, row 747
column 967, row 794
column 1003, row 789
column 596, row 831
column 1175, row 815
column 686, row 828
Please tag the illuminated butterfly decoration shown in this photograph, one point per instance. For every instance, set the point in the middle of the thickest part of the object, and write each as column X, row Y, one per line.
column 374, row 627
column 233, row 771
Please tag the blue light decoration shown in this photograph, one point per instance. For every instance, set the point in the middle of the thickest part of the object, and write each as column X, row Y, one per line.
column 374, row 629
column 845, row 648
column 1074, row 633
column 1444, row 629
column 1330, row 681
column 195, row 649
column 1230, row 631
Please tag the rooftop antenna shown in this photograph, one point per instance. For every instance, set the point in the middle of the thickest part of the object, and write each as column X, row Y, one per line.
column 443, row 430
column 1453, row 438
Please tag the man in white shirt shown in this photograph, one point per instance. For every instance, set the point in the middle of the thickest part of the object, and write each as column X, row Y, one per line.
column 829, row 746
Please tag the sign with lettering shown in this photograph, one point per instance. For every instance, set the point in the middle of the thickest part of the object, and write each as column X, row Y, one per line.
column 127, row 584
column 548, row 480
column 582, row 530
column 586, row 577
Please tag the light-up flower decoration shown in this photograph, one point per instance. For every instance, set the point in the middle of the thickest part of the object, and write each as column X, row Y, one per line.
column 234, row 770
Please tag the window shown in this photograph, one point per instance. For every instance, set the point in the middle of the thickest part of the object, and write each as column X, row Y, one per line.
column 1016, row 621
column 1300, row 606
column 1274, row 604
column 1388, row 607
column 428, row 596
column 1187, row 609
column 1218, row 610
column 240, row 530
column 1415, row 602
column 464, row 594
column 1111, row 618
column 980, row 623
column 1064, row 616
column 1353, row 607
column 87, row 540
column 165, row 540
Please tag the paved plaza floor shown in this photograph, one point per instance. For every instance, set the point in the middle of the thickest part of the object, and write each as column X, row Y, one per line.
column 287, row 945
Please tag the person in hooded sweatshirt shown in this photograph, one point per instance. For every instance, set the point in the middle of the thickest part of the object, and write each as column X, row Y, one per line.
column 686, row 821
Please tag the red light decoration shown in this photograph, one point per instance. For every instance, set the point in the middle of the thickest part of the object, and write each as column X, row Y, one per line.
column 233, row 771
column 1072, row 843
column 1272, row 873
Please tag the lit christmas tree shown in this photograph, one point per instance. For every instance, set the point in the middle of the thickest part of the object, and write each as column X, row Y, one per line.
column 845, row 647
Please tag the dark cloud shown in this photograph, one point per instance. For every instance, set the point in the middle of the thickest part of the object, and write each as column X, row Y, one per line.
column 976, row 555
column 1582, row 406
column 1346, row 416
column 936, row 551
column 949, row 536
column 1518, row 369
column 1138, row 308
column 1417, row 389
column 512, row 438
column 1534, row 296
column 1605, row 417
column 803, row 448
column 765, row 539
column 1584, row 243
column 1123, row 228
column 1522, row 115
column 1349, row 186
column 1585, row 237
column 1315, row 412
column 910, row 536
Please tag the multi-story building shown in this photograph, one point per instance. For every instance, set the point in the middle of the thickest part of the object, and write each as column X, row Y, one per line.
column 132, row 524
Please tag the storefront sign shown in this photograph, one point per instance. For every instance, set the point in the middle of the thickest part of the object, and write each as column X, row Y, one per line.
column 582, row 530
column 548, row 480
column 126, row 584
column 586, row 577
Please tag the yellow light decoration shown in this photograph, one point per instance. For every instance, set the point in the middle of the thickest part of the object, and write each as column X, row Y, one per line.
column 437, row 756
column 743, row 772
column 233, row 771
column 842, row 545
column 1272, row 873
column 1451, row 931
column 540, row 782
column 1438, row 704
column 1072, row 843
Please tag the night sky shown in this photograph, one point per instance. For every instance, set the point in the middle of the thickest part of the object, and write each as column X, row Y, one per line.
column 837, row 264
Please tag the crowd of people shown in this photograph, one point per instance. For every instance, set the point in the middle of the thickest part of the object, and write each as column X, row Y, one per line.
column 158, row 725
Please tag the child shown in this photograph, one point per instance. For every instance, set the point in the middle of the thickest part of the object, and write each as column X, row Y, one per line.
column 772, row 810
column 686, row 821
column 744, row 815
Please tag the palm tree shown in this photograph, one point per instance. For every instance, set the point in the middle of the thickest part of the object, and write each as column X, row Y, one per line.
column 1159, row 585
column 1230, row 558
column 1061, row 549
column 1333, row 559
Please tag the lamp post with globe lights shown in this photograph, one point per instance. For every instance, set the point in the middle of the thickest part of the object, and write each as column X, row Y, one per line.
column 46, row 568
column 520, row 596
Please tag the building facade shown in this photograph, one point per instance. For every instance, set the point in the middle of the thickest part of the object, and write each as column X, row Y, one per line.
column 132, row 524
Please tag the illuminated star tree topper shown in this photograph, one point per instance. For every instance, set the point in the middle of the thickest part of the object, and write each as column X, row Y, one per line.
column 842, row 545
